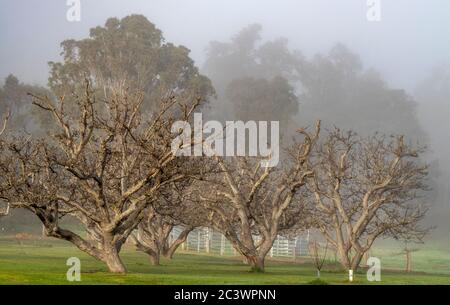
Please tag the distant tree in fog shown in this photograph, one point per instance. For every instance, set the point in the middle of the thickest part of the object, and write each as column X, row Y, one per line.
column 336, row 88
column 14, row 98
column 332, row 87
column 254, row 79
column 246, row 56
column 433, row 93
column 261, row 99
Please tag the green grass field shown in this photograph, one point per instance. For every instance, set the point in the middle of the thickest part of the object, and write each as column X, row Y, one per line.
column 44, row 262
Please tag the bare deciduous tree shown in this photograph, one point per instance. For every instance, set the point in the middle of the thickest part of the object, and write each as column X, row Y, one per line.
column 4, row 207
column 4, row 123
column 248, row 203
column 318, row 256
column 153, row 236
column 172, row 207
column 104, row 166
column 407, row 251
column 365, row 188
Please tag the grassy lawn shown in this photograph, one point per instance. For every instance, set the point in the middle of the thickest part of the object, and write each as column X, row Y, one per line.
column 44, row 262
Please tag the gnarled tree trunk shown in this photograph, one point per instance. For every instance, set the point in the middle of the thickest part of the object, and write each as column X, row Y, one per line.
column 153, row 235
column 169, row 250
column 257, row 263
column 154, row 256
column 356, row 260
column 107, row 250
column 113, row 261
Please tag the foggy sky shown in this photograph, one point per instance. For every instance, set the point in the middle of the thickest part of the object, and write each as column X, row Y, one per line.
column 411, row 38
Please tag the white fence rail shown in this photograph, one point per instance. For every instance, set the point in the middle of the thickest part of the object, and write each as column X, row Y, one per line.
column 207, row 240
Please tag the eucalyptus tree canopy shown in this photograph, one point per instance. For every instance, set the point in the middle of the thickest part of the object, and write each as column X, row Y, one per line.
column 337, row 89
column 334, row 87
column 254, row 79
column 131, row 49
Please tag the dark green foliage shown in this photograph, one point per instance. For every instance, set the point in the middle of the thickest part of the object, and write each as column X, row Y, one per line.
column 133, row 50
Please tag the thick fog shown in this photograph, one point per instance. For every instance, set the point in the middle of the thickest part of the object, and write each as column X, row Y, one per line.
column 409, row 48
column 410, row 39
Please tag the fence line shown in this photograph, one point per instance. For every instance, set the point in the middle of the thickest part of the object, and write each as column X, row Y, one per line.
column 206, row 240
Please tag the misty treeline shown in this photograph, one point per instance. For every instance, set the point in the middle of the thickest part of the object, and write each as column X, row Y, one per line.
column 95, row 146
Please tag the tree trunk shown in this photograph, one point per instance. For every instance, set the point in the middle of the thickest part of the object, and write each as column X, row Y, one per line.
column 153, row 253
column 408, row 261
column 257, row 263
column 366, row 257
column 356, row 261
column 343, row 259
column 112, row 259
column 154, row 258
column 152, row 249
column 109, row 253
column 170, row 251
